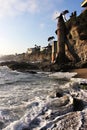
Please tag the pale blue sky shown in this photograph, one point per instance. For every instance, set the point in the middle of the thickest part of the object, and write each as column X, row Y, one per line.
column 24, row 23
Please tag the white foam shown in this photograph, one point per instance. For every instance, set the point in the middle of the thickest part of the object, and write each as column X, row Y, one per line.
column 62, row 75
column 79, row 80
column 21, row 104
column 25, row 121
column 16, row 125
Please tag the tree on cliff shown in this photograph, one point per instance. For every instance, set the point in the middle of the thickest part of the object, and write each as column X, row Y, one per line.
column 51, row 38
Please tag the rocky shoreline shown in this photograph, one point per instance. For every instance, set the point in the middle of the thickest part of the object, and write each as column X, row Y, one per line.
column 66, row 106
column 46, row 66
column 67, row 109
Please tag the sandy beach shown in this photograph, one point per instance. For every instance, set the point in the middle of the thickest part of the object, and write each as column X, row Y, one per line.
column 81, row 73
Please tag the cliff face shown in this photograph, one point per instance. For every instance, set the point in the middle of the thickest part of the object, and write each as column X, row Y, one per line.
column 39, row 56
column 80, row 46
column 77, row 36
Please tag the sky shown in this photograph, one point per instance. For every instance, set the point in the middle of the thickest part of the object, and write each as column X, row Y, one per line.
column 24, row 23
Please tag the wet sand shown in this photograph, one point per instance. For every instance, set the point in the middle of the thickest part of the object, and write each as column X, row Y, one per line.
column 81, row 73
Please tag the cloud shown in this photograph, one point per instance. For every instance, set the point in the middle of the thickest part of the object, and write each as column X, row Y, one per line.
column 27, row 6
column 15, row 7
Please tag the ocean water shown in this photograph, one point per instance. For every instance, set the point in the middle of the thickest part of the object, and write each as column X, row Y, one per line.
column 23, row 96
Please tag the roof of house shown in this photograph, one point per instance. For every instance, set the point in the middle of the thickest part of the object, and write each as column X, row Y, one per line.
column 84, row 3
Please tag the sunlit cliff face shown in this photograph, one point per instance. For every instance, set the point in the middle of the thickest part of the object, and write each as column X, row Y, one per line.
column 74, row 33
column 84, row 3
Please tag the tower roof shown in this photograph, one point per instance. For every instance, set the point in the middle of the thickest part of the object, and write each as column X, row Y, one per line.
column 84, row 3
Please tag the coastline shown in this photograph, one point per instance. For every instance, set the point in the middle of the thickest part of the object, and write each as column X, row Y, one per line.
column 81, row 70
column 64, row 107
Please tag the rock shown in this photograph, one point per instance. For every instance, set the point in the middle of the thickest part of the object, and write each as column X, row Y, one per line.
column 25, row 129
column 59, row 94
column 30, row 71
column 78, row 104
column 7, row 63
column 58, row 102
column 21, row 66
column 71, row 121
column 56, row 92
column 84, row 120
column 60, row 106
column 1, row 124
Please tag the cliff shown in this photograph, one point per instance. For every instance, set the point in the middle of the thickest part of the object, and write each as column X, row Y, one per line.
column 77, row 35
column 39, row 56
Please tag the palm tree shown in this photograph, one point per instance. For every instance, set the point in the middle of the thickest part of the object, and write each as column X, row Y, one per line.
column 64, row 13
column 51, row 38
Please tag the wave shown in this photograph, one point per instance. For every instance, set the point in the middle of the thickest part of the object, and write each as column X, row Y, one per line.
column 29, row 101
column 43, row 113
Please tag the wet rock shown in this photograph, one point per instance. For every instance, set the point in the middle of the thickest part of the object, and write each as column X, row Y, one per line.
column 60, row 106
column 78, row 105
column 81, row 64
column 70, row 121
column 56, row 93
column 59, row 93
column 22, row 66
column 30, row 71
column 1, row 124
column 57, row 102
column 34, row 123
column 25, row 129
column 84, row 119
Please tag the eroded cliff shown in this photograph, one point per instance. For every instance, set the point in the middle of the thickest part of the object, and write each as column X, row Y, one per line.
column 77, row 36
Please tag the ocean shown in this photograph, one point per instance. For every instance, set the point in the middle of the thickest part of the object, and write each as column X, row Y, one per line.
column 25, row 96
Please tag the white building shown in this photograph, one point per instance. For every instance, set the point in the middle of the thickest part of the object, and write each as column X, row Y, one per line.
column 30, row 50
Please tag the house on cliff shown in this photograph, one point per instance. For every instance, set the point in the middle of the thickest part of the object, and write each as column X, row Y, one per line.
column 30, row 50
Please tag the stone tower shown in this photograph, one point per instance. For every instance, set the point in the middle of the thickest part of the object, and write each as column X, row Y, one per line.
column 61, row 34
